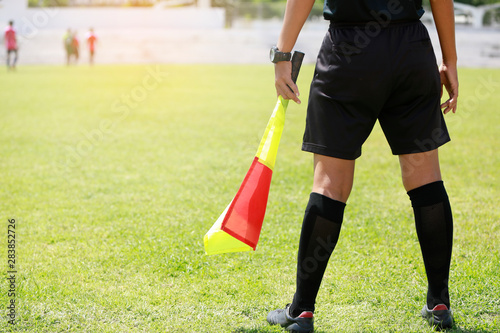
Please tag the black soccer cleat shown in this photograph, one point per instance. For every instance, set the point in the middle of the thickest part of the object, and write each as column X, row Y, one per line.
column 304, row 323
column 440, row 316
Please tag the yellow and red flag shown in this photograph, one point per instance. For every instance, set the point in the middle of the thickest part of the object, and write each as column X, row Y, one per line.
column 238, row 228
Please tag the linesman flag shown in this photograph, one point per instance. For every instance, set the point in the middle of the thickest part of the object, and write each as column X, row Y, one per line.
column 238, row 228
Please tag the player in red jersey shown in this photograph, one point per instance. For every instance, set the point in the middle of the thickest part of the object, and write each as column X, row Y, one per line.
column 91, row 41
column 11, row 44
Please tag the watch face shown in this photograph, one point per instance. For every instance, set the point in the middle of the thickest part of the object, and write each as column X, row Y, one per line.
column 272, row 53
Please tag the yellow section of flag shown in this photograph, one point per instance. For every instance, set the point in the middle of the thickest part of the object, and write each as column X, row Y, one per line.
column 217, row 241
column 268, row 148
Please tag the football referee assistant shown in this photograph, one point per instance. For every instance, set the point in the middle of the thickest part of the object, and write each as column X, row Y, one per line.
column 376, row 63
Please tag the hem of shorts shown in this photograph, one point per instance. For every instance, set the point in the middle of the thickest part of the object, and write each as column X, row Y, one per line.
column 321, row 150
column 406, row 151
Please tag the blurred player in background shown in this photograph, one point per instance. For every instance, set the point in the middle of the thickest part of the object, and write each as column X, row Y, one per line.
column 11, row 44
column 91, row 41
column 71, row 45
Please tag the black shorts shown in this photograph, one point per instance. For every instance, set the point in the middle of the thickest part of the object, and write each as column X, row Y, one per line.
column 368, row 72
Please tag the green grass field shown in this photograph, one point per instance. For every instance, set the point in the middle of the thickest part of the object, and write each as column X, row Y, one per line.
column 113, row 174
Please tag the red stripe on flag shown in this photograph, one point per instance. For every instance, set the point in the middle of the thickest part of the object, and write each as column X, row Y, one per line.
column 244, row 217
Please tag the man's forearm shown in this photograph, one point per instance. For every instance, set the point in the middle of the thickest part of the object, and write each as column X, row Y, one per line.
column 296, row 15
column 444, row 18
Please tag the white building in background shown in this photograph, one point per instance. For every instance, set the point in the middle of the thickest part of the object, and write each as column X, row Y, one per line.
column 11, row 10
column 162, row 15
column 109, row 2
column 156, row 3
column 475, row 13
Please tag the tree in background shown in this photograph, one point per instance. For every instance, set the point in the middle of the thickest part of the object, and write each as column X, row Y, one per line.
column 47, row 3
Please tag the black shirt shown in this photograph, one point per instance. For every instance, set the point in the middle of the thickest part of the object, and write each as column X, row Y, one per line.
column 372, row 10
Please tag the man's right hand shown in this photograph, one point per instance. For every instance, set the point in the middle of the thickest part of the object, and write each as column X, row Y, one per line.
column 285, row 87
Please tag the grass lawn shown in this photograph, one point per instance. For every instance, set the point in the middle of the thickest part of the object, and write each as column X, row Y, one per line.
column 113, row 174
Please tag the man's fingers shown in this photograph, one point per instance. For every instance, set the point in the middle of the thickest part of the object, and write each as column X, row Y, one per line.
column 449, row 105
column 446, row 107
column 288, row 91
column 295, row 91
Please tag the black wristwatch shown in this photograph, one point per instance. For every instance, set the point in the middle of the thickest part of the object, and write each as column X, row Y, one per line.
column 276, row 55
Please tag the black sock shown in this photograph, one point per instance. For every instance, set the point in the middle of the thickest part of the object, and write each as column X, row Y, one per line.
column 434, row 224
column 320, row 233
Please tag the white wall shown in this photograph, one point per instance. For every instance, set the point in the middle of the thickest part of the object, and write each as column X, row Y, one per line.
column 29, row 19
